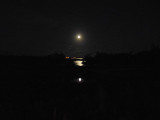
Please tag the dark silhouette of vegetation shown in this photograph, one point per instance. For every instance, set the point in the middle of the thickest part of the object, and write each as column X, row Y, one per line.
column 141, row 59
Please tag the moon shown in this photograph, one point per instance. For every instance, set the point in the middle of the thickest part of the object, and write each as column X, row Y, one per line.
column 79, row 36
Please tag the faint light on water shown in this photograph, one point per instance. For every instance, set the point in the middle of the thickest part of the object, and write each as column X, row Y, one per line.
column 80, row 79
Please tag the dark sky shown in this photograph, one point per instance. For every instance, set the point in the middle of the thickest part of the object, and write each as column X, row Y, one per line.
column 42, row 28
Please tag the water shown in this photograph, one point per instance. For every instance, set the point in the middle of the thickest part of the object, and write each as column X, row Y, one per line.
column 78, row 93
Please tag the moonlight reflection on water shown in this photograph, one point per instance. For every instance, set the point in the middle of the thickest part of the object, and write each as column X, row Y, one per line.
column 79, row 63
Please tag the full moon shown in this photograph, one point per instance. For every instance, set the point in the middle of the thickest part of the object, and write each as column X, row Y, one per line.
column 79, row 36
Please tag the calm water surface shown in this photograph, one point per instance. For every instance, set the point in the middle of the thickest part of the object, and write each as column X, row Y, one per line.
column 79, row 93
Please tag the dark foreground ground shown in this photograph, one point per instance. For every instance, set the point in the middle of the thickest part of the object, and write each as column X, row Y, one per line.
column 33, row 92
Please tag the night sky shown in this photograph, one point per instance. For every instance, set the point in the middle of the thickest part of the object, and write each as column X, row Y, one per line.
column 42, row 28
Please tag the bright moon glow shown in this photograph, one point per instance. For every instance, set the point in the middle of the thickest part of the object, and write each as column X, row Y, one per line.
column 79, row 36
